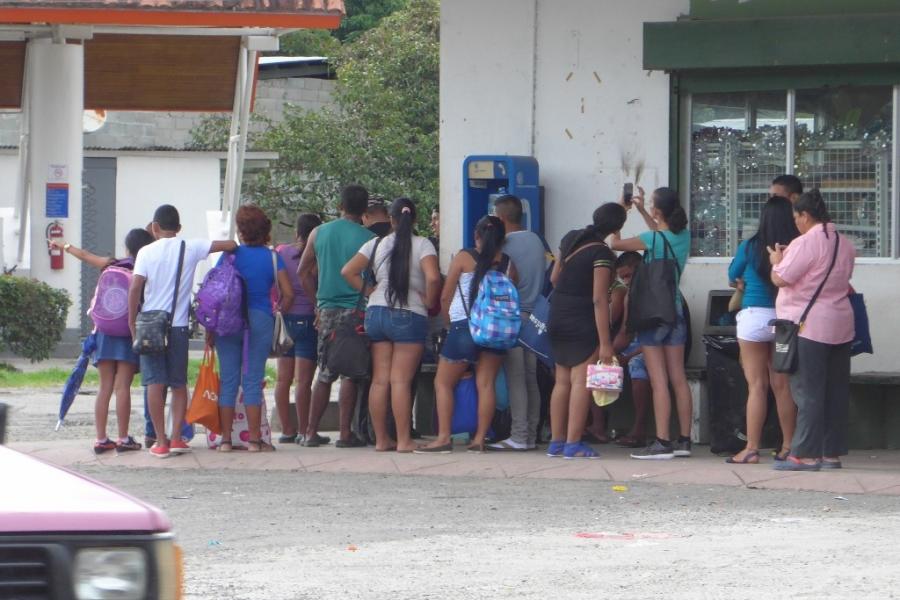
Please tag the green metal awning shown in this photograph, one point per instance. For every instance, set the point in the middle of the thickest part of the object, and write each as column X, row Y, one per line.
column 820, row 41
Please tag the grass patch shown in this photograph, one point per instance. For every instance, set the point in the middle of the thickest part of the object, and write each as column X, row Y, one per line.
column 56, row 377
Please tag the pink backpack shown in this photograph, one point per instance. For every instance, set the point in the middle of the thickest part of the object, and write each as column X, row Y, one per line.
column 109, row 307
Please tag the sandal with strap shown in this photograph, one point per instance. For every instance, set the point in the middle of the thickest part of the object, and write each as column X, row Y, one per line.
column 225, row 446
column 259, row 446
column 750, row 458
column 555, row 448
column 579, row 450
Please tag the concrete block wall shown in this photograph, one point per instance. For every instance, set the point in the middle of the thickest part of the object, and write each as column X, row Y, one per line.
column 173, row 129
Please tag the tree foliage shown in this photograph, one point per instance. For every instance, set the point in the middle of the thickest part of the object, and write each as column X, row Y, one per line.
column 32, row 316
column 382, row 134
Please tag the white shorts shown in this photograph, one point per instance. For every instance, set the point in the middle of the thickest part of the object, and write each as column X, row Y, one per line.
column 753, row 324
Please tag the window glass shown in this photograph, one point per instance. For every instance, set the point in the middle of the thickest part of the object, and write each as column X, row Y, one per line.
column 737, row 148
column 843, row 147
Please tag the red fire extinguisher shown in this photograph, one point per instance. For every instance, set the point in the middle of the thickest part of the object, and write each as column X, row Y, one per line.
column 55, row 230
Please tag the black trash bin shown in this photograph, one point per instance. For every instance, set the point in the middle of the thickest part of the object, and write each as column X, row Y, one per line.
column 726, row 385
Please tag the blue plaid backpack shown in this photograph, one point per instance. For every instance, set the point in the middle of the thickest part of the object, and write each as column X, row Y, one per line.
column 494, row 319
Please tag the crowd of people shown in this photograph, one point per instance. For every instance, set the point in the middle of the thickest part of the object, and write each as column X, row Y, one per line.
column 368, row 275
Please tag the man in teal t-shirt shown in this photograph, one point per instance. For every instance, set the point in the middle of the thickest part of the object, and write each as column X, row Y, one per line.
column 328, row 249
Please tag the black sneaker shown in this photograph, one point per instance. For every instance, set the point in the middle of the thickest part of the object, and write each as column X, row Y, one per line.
column 655, row 451
column 682, row 448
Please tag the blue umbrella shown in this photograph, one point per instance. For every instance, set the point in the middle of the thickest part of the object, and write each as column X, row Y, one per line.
column 73, row 383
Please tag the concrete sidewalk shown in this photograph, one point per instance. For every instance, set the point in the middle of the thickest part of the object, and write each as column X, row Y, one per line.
column 872, row 472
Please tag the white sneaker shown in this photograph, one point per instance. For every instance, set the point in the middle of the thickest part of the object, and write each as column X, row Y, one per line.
column 508, row 444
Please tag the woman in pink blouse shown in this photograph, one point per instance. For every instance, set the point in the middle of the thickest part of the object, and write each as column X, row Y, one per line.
column 821, row 385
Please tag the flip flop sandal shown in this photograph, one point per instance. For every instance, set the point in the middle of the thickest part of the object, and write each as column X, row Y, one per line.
column 782, row 456
column 627, row 441
column 579, row 450
column 353, row 442
column 225, row 447
column 445, row 449
column 750, row 458
column 475, row 448
column 389, row 449
column 259, row 446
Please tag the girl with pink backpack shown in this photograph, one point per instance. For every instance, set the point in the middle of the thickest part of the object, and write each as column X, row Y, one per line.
column 116, row 362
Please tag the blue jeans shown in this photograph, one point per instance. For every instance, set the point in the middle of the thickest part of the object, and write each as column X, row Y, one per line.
column 396, row 325
column 170, row 367
column 233, row 372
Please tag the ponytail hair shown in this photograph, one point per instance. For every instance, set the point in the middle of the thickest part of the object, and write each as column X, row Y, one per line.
column 666, row 202
column 813, row 204
column 403, row 215
column 491, row 232
column 607, row 219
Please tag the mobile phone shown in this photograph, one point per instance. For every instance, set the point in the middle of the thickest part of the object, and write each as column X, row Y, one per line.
column 627, row 192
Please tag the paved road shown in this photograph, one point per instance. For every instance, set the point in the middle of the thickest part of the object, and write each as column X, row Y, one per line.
column 253, row 534
column 280, row 535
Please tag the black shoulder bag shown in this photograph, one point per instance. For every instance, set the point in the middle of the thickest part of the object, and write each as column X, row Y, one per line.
column 152, row 327
column 785, row 356
column 654, row 288
column 347, row 352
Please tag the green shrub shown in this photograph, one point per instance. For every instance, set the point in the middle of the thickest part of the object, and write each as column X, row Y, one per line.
column 32, row 317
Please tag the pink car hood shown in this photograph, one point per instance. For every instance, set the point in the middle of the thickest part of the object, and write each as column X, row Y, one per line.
column 38, row 497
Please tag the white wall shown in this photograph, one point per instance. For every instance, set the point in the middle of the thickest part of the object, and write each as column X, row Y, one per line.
column 188, row 182
column 487, row 52
column 510, row 68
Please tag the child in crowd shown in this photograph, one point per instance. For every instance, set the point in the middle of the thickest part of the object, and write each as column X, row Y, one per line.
column 116, row 362
column 630, row 355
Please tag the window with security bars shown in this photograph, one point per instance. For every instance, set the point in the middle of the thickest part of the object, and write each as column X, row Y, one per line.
column 842, row 145
column 737, row 148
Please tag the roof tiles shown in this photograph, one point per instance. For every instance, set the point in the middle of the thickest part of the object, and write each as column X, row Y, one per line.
column 281, row 6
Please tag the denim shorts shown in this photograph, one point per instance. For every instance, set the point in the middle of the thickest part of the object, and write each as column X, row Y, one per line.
column 302, row 329
column 398, row 325
column 169, row 367
column 460, row 347
column 114, row 347
column 665, row 335
column 637, row 368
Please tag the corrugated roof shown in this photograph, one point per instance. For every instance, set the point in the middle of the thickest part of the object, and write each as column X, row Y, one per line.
column 327, row 6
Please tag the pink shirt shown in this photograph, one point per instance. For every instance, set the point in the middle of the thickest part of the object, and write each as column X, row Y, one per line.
column 803, row 267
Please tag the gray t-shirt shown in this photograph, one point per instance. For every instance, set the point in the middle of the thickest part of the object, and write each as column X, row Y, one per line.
column 421, row 248
column 526, row 251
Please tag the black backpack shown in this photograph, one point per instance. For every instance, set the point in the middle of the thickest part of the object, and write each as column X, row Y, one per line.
column 654, row 288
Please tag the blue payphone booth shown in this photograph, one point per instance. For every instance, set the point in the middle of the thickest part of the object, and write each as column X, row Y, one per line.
column 486, row 178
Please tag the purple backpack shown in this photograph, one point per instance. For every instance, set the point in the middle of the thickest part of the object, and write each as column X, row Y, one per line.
column 109, row 307
column 219, row 303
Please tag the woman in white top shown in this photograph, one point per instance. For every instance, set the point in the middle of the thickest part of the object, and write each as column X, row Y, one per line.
column 459, row 351
column 407, row 282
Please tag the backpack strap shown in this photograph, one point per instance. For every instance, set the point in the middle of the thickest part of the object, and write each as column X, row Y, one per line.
column 462, row 297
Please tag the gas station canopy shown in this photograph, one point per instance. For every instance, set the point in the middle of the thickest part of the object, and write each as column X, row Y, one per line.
column 162, row 55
